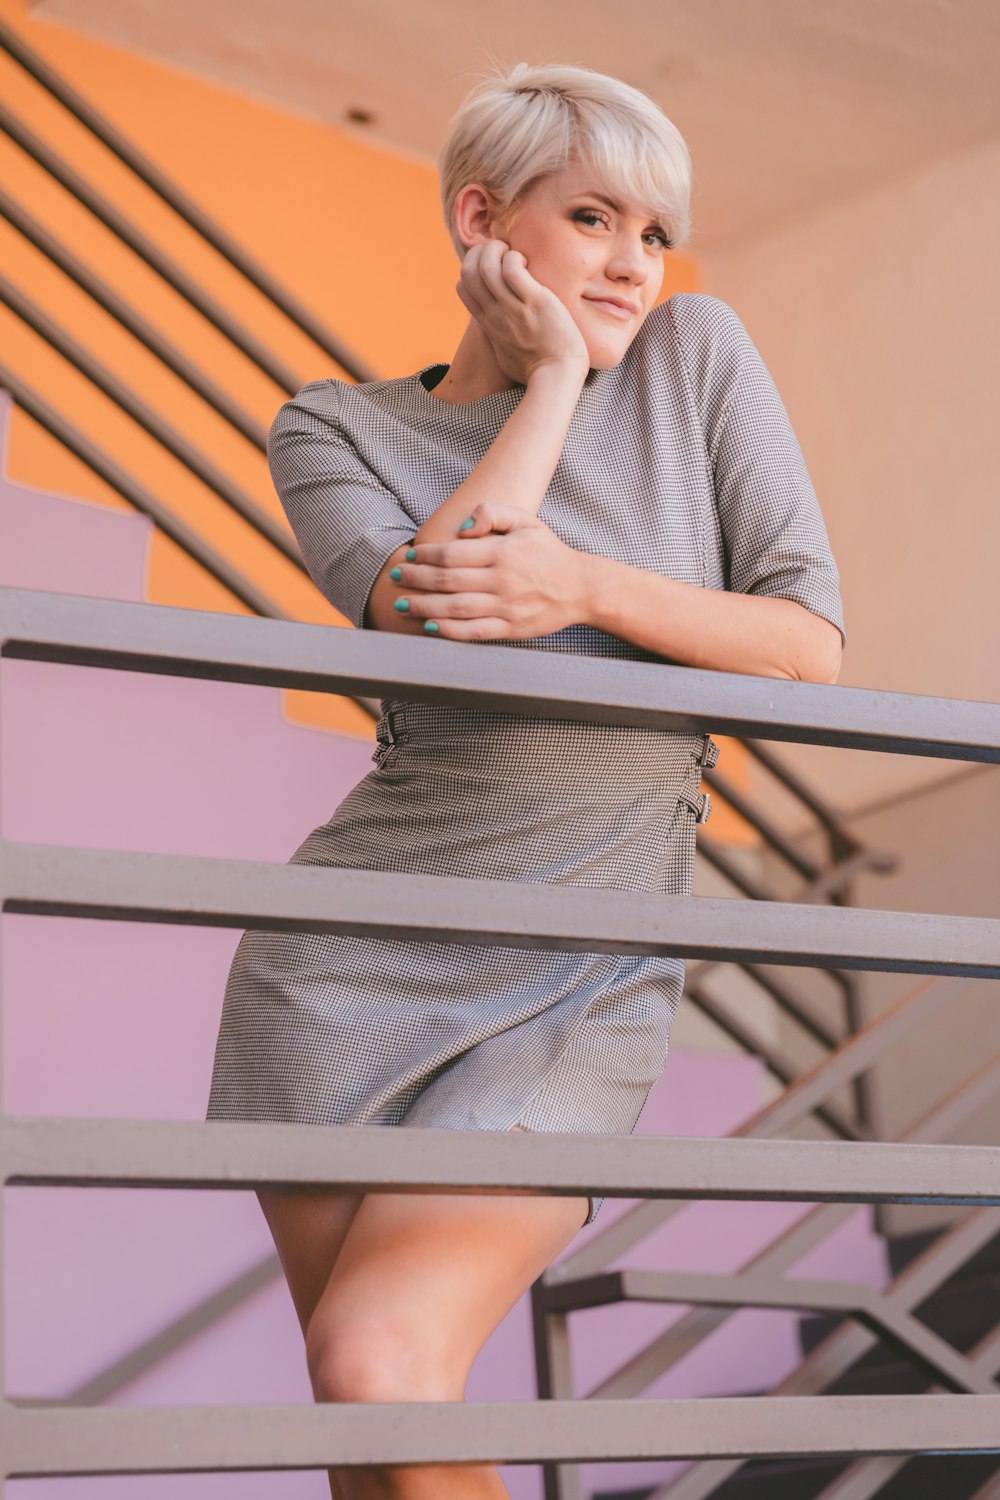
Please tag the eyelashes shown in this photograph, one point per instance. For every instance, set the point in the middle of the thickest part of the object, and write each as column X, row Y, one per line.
column 593, row 213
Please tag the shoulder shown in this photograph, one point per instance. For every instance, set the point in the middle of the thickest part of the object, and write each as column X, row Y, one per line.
column 704, row 330
column 315, row 408
column 707, row 340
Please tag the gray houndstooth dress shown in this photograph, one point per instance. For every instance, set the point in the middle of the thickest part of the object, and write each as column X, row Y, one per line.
column 681, row 460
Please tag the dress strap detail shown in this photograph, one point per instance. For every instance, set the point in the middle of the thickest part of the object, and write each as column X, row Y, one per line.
column 709, row 752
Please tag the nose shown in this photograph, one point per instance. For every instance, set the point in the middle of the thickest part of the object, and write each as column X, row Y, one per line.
column 628, row 260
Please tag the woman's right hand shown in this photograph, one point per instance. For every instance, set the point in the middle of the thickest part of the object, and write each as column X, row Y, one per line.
column 525, row 322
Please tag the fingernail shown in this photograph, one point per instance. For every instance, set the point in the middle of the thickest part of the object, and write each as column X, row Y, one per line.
column 395, row 574
column 402, row 605
column 432, row 626
column 466, row 524
column 410, row 554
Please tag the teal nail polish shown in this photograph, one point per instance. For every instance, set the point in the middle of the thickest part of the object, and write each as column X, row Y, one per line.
column 402, row 605
column 410, row 554
column 432, row 626
column 395, row 574
column 466, row 524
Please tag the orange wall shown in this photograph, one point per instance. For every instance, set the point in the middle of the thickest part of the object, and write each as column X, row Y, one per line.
column 352, row 230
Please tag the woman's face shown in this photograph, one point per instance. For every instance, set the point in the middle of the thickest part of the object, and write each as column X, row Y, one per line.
column 585, row 249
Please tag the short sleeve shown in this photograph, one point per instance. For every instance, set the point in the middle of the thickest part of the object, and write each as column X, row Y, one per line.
column 346, row 521
column 775, row 538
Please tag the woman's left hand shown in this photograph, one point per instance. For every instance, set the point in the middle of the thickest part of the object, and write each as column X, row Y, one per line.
column 507, row 577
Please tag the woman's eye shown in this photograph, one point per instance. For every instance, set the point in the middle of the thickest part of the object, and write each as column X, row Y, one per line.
column 590, row 215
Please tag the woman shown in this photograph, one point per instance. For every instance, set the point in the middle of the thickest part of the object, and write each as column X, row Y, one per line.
column 592, row 473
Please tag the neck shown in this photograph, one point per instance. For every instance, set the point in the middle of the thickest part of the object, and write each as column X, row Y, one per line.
column 473, row 371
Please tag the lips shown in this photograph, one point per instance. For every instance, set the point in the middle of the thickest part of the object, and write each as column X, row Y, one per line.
column 613, row 306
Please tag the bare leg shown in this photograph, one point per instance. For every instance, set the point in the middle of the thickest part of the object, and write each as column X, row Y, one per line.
column 420, row 1283
column 308, row 1228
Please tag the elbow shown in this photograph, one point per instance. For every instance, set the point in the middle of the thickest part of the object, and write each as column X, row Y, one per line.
column 822, row 653
column 379, row 611
column 824, row 669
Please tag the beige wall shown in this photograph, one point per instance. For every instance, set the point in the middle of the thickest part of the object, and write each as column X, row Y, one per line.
column 880, row 322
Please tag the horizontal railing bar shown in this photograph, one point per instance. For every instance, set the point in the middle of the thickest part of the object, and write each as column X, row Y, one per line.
column 38, row 1151
column 176, row 1440
column 188, row 890
column 197, row 643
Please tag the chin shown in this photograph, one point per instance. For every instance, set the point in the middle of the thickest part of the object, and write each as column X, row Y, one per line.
column 604, row 357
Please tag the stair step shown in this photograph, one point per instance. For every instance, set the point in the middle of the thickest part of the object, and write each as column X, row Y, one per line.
column 947, row 1478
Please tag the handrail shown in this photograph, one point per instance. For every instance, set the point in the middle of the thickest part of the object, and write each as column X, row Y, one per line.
column 50, row 627
column 132, row 321
column 151, row 422
column 594, row 690
column 141, row 245
column 168, row 191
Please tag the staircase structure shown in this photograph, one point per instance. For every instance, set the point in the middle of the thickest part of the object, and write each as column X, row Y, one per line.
column 150, row 779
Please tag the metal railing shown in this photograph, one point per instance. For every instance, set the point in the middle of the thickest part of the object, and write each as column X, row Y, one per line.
column 43, row 879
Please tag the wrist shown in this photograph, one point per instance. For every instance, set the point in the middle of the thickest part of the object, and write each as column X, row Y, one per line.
column 590, row 581
column 559, row 376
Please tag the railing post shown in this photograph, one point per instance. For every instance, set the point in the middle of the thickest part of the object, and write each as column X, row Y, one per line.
column 554, row 1382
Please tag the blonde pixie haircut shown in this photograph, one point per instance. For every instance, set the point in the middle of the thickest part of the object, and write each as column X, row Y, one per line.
column 516, row 127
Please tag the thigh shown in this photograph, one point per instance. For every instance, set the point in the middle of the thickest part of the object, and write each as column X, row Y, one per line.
column 423, row 1279
column 308, row 1227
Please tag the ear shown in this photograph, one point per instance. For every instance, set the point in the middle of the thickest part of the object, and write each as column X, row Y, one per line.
column 474, row 214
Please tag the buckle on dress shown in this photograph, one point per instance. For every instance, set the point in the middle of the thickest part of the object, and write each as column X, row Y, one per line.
column 700, row 803
column 709, row 752
column 386, row 731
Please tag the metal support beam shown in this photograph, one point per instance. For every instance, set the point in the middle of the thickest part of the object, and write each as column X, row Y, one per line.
column 600, row 690
column 240, row 1154
column 177, row 1440
column 50, row 880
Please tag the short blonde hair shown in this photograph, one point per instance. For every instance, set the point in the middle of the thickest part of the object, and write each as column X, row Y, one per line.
column 518, row 126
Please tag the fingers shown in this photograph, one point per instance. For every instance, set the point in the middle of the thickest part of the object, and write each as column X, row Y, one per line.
column 493, row 270
column 468, row 298
column 463, row 552
column 433, row 580
column 421, row 606
column 473, row 630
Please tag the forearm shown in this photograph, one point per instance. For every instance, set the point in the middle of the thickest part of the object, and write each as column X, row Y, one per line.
column 520, row 461
column 708, row 628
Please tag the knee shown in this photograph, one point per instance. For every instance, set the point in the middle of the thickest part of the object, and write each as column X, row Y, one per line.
column 367, row 1363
